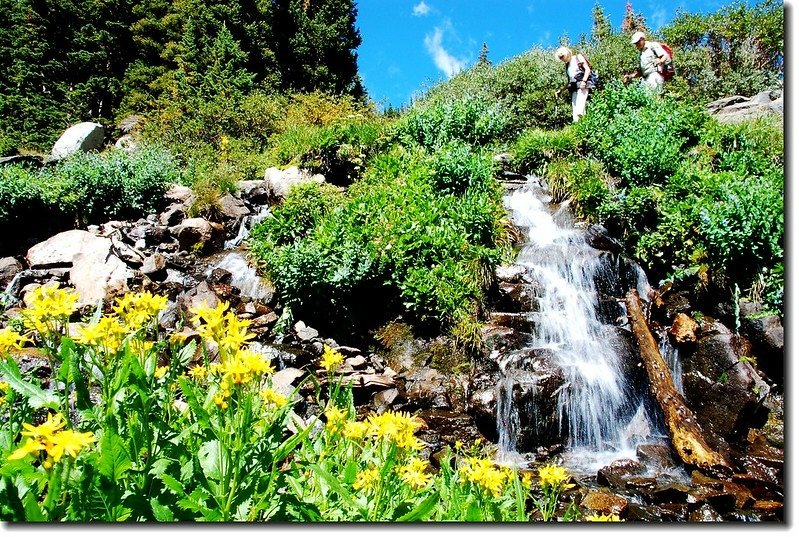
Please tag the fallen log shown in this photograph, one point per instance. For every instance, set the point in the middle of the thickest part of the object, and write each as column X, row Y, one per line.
column 685, row 434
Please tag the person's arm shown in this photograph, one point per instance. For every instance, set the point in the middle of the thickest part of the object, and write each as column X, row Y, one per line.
column 586, row 72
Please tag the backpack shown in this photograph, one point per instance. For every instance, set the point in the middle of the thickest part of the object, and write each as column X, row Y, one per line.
column 666, row 69
column 593, row 77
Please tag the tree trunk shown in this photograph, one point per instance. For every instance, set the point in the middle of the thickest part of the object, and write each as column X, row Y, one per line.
column 686, row 435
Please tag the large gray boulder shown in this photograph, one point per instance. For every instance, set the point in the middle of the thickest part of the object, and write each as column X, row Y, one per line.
column 84, row 136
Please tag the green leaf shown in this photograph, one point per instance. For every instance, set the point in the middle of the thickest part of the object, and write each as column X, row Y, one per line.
column 76, row 376
column 473, row 513
column 36, row 397
column 210, row 457
column 161, row 512
column 335, row 485
column 421, row 510
column 173, row 484
column 114, row 459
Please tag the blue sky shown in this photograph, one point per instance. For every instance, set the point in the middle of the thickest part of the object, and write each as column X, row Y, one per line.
column 408, row 45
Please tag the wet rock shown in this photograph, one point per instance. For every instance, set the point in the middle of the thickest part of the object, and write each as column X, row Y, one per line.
column 597, row 237
column 705, row 513
column 499, row 338
column 514, row 297
column 202, row 295
column 450, row 425
column 650, row 513
column 655, row 455
column 671, row 493
column 605, row 503
column 725, row 393
column 385, row 398
column 683, row 329
column 254, row 192
column 231, row 210
column 767, row 336
column 9, row 267
column 172, row 215
column 426, row 387
column 517, row 321
column 618, row 471
column 511, row 274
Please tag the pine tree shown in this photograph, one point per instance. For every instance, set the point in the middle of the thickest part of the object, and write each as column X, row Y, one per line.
column 315, row 44
column 483, row 58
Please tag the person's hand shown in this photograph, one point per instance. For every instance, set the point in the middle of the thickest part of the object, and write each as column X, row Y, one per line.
column 583, row 84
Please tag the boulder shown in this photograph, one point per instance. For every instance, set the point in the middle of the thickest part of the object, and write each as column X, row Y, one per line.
column 60, row 250
column 9, row 267
column 199, row 233
column 683, row 329
column 84, row 136
column 98, row 278
column 279, row 182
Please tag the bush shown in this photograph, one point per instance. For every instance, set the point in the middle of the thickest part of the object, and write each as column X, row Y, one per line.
column 399, row 241
column 118, row 184
column 432, row 124
column 536, row 147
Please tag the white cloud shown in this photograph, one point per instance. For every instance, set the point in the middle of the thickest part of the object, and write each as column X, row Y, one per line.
column 421, row 9
column 445, row 61
column 657, row 19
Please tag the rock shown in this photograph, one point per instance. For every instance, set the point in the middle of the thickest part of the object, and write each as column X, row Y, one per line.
column 304, row 332
column 737, row 108
column 767, row 336
column 655, row 455
column 126, row 143
column 9, row 267
column 98, row 278
column 511, row 273
column 256, row 192
column 597, row 237
column 59, row 250
column 605, row 503
column 202, row 295
column 725, row 393
column 154, row 266
column 232, row 210
column 279, row 182
column 705, row 514
column 284, row 381
column 179, row 194
column 85, row 136
column 683, row 329
column 359, row 362
column 385, row 398
column 199, row 233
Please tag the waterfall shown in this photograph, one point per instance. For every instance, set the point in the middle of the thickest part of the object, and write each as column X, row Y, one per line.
column 596, row 408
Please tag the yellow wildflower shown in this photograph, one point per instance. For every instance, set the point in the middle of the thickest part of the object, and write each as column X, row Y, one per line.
column 331, row 359
column 336, row 418
column 482, row 472
column 210, row 321
column 366, row 479
column 235, row 333
column 355, row 430
column 31, row 447
column 69, row 442
column 4, row 387
column 9, row 339
column 161, row 371
column 398, row 427
column 107, row 334
column 272, row 397
column 135, row 309
column 527, row 480
column 603, row 518
column 48, row 306
column 198, row 372
column 53, row 424
column 220, row 401
column 414, row 474
column 257, row 363
column 553, row 476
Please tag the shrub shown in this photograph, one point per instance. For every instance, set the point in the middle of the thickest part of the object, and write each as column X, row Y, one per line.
column 114, row 185
column 434, row 123
column 397, row 242
column 536, row 147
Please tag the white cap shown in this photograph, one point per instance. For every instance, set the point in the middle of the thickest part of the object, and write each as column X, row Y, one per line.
column 637, row 36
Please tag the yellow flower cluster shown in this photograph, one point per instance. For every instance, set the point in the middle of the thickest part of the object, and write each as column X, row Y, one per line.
column 245, row 367
column 331, row 359
column 107, row 334
column 9, row 339
column 414, row 474
column 271, row 397
column 603, row 518
column 336, row 418
column 395, row 426
column 485, row 474
column 52, row 438
column 4, row 388
column 136, row 309
column 553, row 476
column 366, row 479
column 221, row 326
column 48, row 303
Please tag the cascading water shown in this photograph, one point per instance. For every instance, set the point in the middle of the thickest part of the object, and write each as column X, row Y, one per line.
column 596, row 410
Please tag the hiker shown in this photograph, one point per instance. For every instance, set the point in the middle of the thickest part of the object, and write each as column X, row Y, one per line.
column 651, row 62
column 579, row 72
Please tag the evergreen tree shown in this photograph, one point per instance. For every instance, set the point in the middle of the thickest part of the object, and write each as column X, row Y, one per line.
column 315, row 44
column 483, row 58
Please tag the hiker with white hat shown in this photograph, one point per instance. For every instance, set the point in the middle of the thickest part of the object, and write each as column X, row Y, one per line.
column 652, row 56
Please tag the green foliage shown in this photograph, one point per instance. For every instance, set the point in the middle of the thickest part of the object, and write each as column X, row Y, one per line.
column 534, row 148
column 738, row 50
column 434, row 123
column 583, row 180
column 87, row 187
column 401, row 240
column 638, row 136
